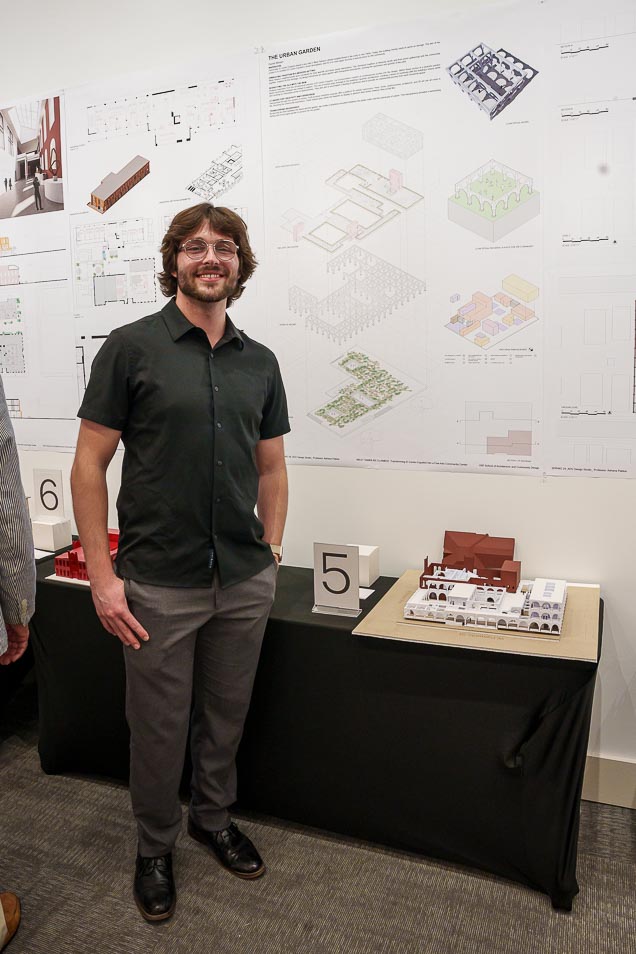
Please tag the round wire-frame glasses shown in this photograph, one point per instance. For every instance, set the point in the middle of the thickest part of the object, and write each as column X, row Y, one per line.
column 197, row 249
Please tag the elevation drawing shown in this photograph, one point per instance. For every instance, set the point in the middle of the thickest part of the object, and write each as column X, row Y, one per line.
column 370, row 390
column 369, row 201
column 371, row 290
column 12, row 359
column 487, row 320
column 493, row 201
column 499, row 427
column 393, row 136
column 491, row 78
column 224, row 173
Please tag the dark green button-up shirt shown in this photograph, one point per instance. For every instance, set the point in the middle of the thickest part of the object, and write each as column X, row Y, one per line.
column 191, row 417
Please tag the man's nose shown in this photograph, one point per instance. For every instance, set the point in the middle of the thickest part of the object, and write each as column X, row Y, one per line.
column 211, row 254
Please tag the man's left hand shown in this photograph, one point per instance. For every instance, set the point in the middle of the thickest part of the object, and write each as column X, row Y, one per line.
column 18, row 638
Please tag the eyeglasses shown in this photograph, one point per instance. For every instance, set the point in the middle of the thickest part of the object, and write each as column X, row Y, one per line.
column 197, row 249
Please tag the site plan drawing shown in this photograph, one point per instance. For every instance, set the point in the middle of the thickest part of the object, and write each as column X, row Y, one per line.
column 369, row 391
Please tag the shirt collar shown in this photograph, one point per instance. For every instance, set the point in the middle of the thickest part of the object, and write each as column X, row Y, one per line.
column 178, row 325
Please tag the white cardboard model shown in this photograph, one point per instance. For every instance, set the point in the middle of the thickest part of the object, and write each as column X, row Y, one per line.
column 486, row 596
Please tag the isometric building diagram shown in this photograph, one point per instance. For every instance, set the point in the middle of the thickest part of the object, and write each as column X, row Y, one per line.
column 114, row 262
column 371, row 289
column 117, row 184
column 492, row 78
column 498, row 427
column 225, row 172
column 370, row 201
column 487, row 320
column 493, row 201
column 172, row 116
column 12, row 359
column 393, row 136
column 370, row 390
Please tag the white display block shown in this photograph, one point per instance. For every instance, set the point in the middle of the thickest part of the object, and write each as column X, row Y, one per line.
column 369, row 558
column 51, row 533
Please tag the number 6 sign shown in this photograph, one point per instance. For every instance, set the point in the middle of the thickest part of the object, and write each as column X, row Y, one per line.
column 336, row 579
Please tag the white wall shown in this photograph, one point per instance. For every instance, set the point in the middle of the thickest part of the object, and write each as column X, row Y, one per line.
column 580, row 529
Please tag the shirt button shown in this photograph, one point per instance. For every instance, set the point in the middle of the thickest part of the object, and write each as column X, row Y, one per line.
column 220, row 463
column 219, row 424
column 218, row 500
column 216, row 387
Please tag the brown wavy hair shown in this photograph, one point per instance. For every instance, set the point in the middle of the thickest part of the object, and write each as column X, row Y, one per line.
column 187, row 223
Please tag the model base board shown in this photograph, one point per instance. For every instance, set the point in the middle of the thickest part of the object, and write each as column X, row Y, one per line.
column 579, row 635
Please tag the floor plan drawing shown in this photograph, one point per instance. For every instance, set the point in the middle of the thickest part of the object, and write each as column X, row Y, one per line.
column 171, row 116
column 498, row 427
column 9, row 274
column 85, row 351
column 371, row 290
column 369, row 201
column 393, row 136
column 224, row 173
column 488, row 320
column 491, row 78
column 369, row 390
column 114, row 262
column 493, row 201
column 14, row 406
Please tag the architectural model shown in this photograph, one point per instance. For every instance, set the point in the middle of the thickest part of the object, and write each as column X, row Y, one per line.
column 478, row 584
column 117, row 184
column 492, row 78
column 72, row 564
column 493, row 201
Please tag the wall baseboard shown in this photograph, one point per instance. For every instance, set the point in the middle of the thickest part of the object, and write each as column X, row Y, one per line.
column 610, row 781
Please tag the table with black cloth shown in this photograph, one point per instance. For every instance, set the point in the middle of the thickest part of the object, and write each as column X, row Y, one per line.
column 470, row 756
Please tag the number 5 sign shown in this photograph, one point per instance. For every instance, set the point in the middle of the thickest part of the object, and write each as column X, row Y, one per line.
column 336, row 579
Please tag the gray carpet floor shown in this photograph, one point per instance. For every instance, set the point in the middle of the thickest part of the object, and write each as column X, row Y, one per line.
column 68, row 850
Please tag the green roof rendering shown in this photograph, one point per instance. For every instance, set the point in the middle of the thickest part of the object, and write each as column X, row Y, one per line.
column 493, row 201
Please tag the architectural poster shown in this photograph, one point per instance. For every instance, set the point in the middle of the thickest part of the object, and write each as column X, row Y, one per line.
column 444, row 214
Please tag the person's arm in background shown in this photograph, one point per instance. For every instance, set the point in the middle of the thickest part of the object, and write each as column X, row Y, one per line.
column 17, row 558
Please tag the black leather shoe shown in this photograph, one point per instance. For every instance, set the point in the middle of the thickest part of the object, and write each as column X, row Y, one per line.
column 233, row 849
column 154, row 890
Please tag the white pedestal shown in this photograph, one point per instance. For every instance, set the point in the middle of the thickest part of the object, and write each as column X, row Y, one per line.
column 369, row 564
column 54, row 190
column 51, row 533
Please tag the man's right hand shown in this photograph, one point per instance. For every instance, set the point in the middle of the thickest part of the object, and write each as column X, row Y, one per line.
column 114, row 615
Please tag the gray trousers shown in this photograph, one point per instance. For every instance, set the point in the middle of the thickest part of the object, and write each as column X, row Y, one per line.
column 196, row 670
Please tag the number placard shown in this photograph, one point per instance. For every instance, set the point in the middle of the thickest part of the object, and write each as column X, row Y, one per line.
column 336, row 579
column 48, row 498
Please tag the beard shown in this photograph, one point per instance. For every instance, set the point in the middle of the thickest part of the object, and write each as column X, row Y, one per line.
column 191, row 287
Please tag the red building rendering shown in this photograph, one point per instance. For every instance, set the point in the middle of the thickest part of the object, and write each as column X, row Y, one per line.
column 49, row 139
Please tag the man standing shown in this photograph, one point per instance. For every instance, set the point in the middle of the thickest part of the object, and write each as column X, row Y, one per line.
column 17, row 592
column 36, row 193
column 201, row 410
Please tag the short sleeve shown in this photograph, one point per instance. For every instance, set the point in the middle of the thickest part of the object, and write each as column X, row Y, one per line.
column 275, row 421
column 107, row 396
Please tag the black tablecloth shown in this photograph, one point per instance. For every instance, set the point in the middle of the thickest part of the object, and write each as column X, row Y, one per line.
column 470, row 756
